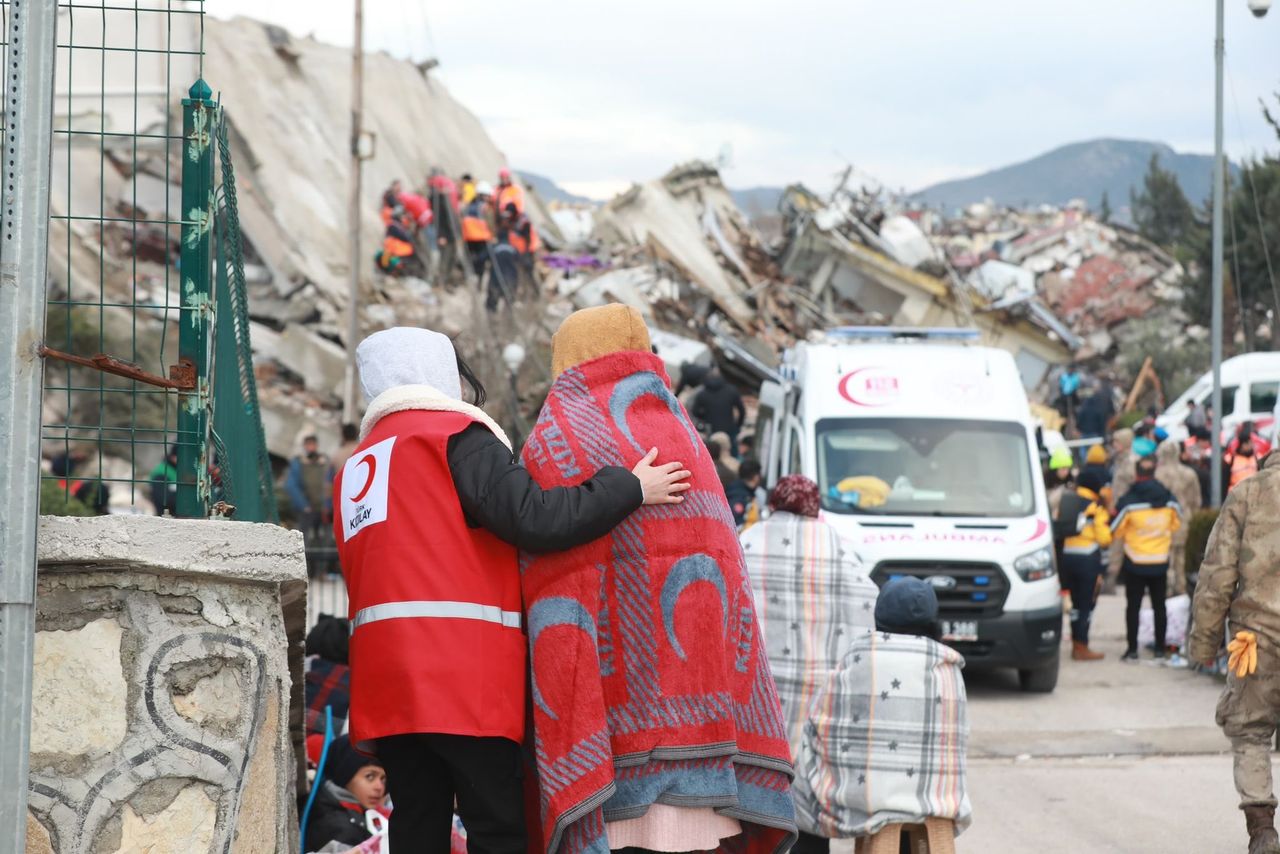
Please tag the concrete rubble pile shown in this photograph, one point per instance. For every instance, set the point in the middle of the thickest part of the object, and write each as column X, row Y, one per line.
column 1096, row 276
column 683, row 253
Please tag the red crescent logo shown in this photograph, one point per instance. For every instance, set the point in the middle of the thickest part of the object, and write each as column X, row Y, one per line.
column 874, row 395
column 1041, row 527
column 373, row 469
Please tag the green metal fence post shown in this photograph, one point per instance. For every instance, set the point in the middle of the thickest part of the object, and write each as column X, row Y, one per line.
column 196, row 272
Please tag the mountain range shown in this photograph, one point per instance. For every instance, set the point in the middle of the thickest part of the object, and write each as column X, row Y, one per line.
column 1080, row 170
column 550, row 191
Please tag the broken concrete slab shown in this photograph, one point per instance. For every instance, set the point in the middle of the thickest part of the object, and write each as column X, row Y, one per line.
column 321, row 363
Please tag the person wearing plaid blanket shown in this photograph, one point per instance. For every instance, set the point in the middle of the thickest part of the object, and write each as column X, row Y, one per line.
column 886, row 736
column 811, row 599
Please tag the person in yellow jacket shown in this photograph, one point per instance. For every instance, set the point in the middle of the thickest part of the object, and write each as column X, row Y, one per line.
column 1082, row 565
column 1146, row 518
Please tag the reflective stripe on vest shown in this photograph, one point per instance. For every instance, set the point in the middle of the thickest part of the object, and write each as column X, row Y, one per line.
column 436, row 610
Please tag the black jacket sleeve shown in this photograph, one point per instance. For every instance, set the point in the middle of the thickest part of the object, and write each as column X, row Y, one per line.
column 500, row 495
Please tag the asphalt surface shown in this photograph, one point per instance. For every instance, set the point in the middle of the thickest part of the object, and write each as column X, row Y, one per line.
column 1121, row 758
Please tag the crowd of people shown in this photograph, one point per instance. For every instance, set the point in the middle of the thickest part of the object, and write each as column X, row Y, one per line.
column 460, row 227
column 598, row 594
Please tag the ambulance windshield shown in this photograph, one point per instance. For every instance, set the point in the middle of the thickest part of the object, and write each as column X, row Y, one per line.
column 924, row 467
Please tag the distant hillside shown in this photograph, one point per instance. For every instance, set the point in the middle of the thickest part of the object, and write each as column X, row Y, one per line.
column 757, row 201
column 550, row 191
column 1081, row 170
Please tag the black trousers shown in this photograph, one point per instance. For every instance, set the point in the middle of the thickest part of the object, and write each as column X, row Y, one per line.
column 1080, row 576
column 1134, row 586
column 427, row 771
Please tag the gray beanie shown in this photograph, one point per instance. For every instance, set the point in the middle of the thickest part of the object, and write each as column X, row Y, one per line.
column 907, row 606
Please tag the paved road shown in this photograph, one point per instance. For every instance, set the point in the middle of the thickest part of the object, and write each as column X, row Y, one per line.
column 1122, row 758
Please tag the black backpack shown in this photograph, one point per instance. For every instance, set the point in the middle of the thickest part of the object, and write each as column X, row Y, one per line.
column 1070, row 518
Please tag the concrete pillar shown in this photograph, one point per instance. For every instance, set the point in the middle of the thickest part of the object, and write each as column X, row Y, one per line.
column 162, row 687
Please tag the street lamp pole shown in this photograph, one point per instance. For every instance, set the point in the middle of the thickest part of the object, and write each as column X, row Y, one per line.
column 1219, row 192
column 353, row 216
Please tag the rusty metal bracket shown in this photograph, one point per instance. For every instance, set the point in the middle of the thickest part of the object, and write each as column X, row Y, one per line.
column 182, row 376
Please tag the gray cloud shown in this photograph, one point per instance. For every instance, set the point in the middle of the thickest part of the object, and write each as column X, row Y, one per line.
column 598, row 94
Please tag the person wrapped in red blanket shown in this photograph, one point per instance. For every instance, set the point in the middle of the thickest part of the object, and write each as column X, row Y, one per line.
column 656, row 720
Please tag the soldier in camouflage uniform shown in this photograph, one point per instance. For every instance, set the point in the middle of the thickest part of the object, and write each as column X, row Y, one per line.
column 1180, row 479
column 1240, row 579
column 1122, row 460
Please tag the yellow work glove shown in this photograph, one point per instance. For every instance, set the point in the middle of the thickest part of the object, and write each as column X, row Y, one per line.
column 1244, row 654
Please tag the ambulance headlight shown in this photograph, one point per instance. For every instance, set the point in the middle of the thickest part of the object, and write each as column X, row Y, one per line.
column 1036, row 565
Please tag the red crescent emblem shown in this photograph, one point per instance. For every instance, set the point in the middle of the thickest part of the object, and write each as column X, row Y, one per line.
column 373, row 469
column 886, row 391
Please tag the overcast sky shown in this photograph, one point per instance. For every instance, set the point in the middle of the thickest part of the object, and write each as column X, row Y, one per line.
column 599, row 94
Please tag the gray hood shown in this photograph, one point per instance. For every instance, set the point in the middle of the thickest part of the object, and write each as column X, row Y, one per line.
column 407, row 356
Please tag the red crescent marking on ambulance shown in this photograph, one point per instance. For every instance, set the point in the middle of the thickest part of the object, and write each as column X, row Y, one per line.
column 373, row 469
column 1041, row 527
column 844, row 388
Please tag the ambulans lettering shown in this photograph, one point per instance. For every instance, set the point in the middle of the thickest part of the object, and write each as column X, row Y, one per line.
column 974, row 538
column 366, row 479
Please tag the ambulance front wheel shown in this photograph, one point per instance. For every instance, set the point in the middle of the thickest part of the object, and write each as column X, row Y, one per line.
column 1040, row 680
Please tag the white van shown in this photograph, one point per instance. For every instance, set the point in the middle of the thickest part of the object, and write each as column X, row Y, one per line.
column 923, row 448
column 1250, row 389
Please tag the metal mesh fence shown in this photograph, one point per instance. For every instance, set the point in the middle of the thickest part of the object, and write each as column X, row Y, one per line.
column 113, row 406
column 244, row 477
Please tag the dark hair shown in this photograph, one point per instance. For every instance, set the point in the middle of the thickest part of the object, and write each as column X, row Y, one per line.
column 713, row 448
column 468, row 376
column 349, row 432
column 749, row 468
column 1145, row 467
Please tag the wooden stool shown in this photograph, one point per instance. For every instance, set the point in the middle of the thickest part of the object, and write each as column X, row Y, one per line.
column 935, row 836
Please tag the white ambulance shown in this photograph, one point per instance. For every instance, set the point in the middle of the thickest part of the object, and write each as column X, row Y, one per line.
column 924, row 451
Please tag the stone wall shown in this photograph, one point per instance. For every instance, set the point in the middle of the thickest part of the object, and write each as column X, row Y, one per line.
column 160, row 718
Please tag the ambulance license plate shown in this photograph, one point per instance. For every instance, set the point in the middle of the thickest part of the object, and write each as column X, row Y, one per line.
column 959, row 630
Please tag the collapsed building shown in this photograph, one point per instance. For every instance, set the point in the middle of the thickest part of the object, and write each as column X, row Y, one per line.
column 1095, row 276
column 688, row 258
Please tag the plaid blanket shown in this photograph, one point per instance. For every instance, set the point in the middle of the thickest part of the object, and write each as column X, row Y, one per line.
column 811, row 597
column 886, row 740
column 327, row 684
column 649, row 684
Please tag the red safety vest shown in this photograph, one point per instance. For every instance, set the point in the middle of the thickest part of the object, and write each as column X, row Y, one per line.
column 436, row 640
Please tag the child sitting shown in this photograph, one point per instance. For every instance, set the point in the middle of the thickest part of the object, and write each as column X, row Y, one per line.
column 352, row 783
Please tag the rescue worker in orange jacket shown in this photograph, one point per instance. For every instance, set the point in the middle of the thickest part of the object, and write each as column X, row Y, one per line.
column 476, row 231
column 517, row 229
column 391, row 201
column 398, row 248
column 517, row 232
column 509, row 193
